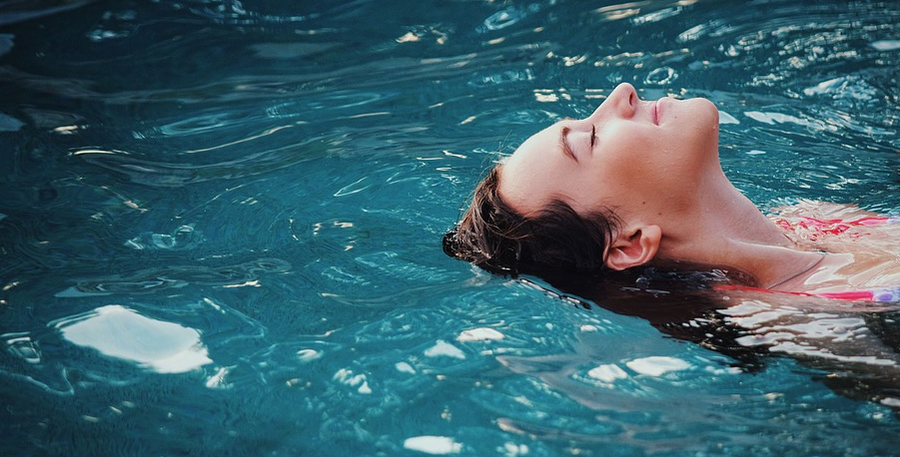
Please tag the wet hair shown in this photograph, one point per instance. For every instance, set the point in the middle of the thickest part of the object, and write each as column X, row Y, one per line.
column 494, row 236
column 557, row 242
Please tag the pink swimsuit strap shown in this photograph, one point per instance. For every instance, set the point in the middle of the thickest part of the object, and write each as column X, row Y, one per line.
column 833, row 226
column 882, row 294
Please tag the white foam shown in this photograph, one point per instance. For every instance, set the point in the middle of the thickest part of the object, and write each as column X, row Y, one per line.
column 607, row 373
column 122, row 333
column 657, row 365
column 514, row 450
column 443, row 348
column 725, row 118
column 886, row 45
column 479, row 334
column 404, row 367
column 827, row 86
column 308, row 355
column 777, row 118
column 346, row 377
column 435, row 445
column 217, row 381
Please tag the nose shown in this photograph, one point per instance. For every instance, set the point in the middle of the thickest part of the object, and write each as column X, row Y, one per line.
column 621, row 102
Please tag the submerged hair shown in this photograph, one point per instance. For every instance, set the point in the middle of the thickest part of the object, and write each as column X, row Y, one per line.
column 494, row 236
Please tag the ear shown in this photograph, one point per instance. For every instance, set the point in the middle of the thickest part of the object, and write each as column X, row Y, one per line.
column 634, row 247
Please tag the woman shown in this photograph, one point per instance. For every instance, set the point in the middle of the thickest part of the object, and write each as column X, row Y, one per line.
column 639, row 183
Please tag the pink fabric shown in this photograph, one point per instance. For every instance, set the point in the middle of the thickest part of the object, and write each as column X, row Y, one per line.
column 882, row 295
column 830, row 226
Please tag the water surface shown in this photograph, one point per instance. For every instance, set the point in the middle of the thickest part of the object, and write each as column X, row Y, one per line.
column 220, row 229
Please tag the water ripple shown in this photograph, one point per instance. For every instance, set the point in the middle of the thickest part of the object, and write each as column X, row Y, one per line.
column 176, row 174
column 383, row 72
column 15, row 12
column 507, row 17
column 159, row 279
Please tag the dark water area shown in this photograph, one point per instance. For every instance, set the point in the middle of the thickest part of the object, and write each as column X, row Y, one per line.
column 220, row 228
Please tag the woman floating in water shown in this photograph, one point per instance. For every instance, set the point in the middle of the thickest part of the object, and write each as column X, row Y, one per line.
column 639, row 183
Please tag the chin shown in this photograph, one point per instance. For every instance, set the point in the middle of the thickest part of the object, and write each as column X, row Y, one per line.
column 704, row 110
column 703, row 133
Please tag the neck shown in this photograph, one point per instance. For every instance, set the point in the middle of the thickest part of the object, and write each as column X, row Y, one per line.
column 726, row 229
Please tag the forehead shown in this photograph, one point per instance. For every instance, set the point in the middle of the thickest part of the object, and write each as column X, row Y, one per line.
column 529, row 177
column 544, row 142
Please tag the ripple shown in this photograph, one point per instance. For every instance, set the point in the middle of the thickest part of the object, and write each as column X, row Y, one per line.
column 657, row 16
column 6, row 43
column 235, row 13
column 203, row 123
column 506, row 77
column 160, row 279
column 23, row 346
column 661, row 76
column 619, row 12
column 16, row 12
column 182, row 238
column 58, row 121
column 507, row 17
column 291, row 50
column 712, row 28
column 156, row 173
column 380, row 71
column 115, row 25
column 9, row 123
column 779, row 118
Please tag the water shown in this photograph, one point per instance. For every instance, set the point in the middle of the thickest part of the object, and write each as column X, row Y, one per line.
column 220, row 230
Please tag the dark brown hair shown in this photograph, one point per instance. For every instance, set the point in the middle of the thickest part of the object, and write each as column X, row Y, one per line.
column 495, row 237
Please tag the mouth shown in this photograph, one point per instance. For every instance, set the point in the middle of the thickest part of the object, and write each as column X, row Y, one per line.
column 657, row 111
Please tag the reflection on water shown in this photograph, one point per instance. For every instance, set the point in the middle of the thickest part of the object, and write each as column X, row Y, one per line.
column 118, row 332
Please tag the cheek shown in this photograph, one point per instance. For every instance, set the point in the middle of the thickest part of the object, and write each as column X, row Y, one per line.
column 624, row 177
column 694, row 139
column 638, row 153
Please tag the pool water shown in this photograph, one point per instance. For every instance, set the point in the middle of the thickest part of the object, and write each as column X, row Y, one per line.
column 220, row 229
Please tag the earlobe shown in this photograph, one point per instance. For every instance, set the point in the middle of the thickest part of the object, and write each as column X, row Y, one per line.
column 634, row 248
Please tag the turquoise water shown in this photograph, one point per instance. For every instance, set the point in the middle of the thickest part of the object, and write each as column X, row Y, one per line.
column 220, row 228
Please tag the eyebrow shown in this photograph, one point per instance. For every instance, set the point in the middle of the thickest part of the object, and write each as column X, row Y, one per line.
column 564, row 143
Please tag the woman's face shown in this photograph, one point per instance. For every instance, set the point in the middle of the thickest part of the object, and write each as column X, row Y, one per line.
column 630, row 155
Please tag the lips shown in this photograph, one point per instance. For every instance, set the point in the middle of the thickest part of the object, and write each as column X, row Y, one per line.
column 657, row 111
